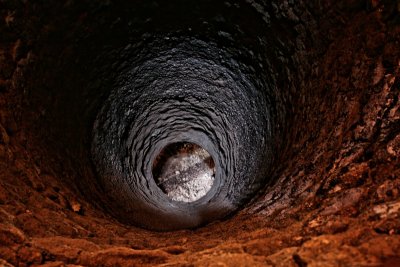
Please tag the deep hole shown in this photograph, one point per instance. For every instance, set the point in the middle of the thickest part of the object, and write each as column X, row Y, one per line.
column 296, row 103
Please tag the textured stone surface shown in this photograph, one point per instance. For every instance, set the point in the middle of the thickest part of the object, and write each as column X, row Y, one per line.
column 335, row 200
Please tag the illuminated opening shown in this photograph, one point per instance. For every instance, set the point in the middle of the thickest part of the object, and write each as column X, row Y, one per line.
column 184, row 171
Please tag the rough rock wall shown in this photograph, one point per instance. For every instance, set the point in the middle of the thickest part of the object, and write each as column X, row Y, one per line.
column 335, row 196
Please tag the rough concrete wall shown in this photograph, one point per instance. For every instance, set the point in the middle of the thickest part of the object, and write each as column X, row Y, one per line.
column 335, row 197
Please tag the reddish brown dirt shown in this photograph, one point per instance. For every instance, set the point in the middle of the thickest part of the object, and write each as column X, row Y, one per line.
column 337, row 203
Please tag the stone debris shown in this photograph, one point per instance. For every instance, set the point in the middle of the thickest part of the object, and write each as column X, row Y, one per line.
column 187, row 175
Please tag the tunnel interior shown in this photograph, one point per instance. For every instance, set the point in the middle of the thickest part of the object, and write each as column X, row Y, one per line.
column 204, row 131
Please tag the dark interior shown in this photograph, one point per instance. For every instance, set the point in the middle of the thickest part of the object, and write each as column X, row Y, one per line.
column 295, row 101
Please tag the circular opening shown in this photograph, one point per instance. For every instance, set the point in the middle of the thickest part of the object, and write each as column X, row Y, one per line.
column 184, row 171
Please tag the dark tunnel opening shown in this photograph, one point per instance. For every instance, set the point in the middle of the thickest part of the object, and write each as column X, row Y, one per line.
column 131, row 124
column 167, row 72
